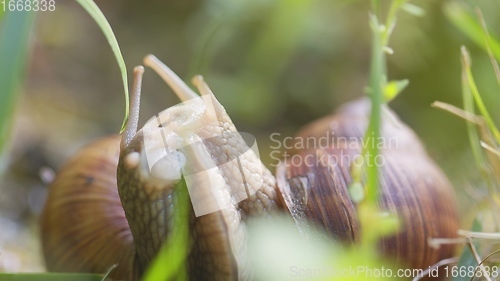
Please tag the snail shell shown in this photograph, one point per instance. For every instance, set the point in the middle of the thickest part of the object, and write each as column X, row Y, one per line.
column 83, row 225
column 315, row 190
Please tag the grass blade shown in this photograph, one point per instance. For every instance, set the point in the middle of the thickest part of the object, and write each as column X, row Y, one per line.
column 14, row 45
column 487, row 42
column 475, row 93
column 466, row 23
column 466, row 258
column 413, row 9
column 169, row 263
column 377, row 72
column 50, row 277
column 100, row 19
column 490, row 148
column 467, row 116
column 468, row 103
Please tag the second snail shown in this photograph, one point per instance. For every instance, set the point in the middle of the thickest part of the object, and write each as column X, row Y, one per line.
column 112, row 204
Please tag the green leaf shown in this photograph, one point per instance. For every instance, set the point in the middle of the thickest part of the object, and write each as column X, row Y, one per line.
column 377, row 224
column 487, row 41
column 477, row 96
column 106, row 275
column 466, row 23
column 170, row 262
column 50, row 277
column 413, row 9
column 474, row 139
column 356, row 192
column 14, row 46
column 393, row 88
column 100, row 19
column 467, row 259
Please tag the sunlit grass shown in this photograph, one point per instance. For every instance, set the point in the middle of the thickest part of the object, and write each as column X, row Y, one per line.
column 51, row 277
column 14, row 48
column 170, row 262
column 483, row 133
column 106, row 29
column 461, row 17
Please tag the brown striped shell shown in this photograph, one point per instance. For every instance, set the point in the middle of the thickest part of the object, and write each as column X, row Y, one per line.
column 314, row 184
column 83, row 225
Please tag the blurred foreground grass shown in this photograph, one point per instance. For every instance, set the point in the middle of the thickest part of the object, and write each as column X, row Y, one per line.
column 14, row 46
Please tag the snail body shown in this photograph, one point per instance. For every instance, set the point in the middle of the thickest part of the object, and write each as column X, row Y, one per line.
column 219, row 250
column 227, row 184
column 208, row 143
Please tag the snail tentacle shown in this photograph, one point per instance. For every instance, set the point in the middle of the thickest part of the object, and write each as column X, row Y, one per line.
column 178, row 86
column 133, row 121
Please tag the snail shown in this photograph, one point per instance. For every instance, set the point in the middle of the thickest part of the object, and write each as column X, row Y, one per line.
column 411, row 186
column 111, row 204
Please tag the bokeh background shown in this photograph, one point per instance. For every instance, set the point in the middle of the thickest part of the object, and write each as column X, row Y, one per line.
column 274, row 64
